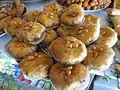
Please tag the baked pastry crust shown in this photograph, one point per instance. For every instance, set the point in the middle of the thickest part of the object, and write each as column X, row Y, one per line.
column 54, row 7
column 89, row 31
column 48, row 19
column 64, row 31
column 19, row 49
column 99, row 57
column 36, row 65
column 50, row 36
column 107, row 37
column 13, row 25
column 72, row 16
column 32, row 15
column 68, row 50
column 6, row 14
column 72, row 77
column 31, row 32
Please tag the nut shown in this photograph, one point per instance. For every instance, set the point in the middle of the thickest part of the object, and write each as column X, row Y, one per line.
column 75, row 45
column 30, row 57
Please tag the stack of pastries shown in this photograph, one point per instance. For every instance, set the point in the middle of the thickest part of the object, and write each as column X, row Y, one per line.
column 75, row 44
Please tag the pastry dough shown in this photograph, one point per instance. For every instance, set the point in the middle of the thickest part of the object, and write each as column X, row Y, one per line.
column 73, row 15
column 107, row 37
column 68, row 50
column 19, row 49
column 32, row 15
column 64, row 31
column 54, row 7
column 31, row 32
column 36, row 65
column 74, row 77
column 48, row 19
column 50, row 36
column 13, row 25
column 89, row 31
column 99, row 57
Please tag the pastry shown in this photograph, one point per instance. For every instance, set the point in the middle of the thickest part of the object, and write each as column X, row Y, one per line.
column 64, row 31
column 6, row 14
column 32, row 15
column 31, row 32
column 73, row 15
column 116, row 4
column 68, row 50
column 19, row 8
column 115, row 20
column 89, row 31
column 54, row 7
column 87, row 4
column 48, row 19
column 117, row 30
column 107, row 37
column 113, row 11
column 73, row 77
column 99, row 57
column 19, row 49
column 36, row 65
column 13, row 25
column 50, row 36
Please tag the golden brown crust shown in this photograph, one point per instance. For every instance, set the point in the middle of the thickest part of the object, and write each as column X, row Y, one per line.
column 6, row 14
column 99, row 57
column 64, row 31
column 19, row 49
column 36, row 65
column 72, row 16
column 69, row 75
column 70, row 51
column 50, row 36
column 54, row 7
column 107, row 37
column 48, row 19
column 14, row 25
column 89, row 31
column 32, row 15
column 30, row 32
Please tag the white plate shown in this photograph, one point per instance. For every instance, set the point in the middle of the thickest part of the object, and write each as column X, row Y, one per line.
column 3, row 34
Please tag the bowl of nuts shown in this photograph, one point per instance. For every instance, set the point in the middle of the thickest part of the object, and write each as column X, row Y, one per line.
column 88, row 5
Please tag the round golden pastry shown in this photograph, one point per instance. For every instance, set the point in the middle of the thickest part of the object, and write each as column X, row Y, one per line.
column 31, row 32
column 89, row 31
column 68, row 50
column 6, row 14
column 54, row 7
column 50, row 36
column 107, row 37
column 36, row 65
column 32, row 15
column 99, row 57
column 64, row 31
column 48, row 19
column 74, row 77
column 13, row 26
column 73, row 15
column 19, row 49
column 117, row 30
